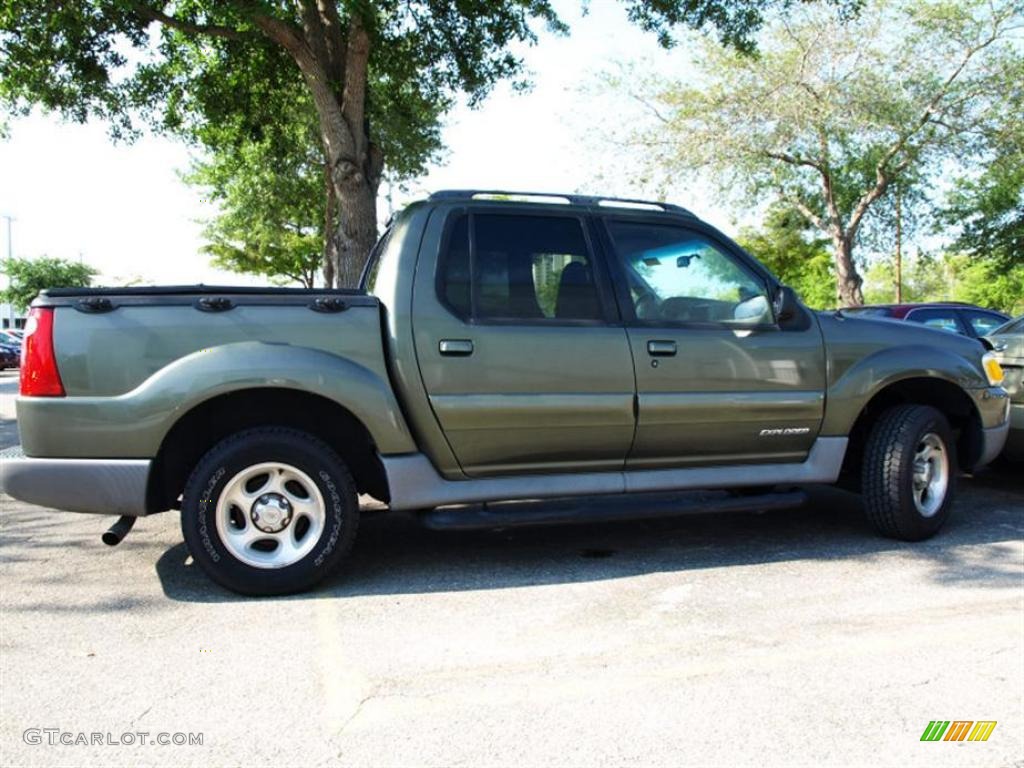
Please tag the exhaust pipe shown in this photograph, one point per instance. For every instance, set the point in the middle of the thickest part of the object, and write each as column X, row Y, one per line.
column 115, row 533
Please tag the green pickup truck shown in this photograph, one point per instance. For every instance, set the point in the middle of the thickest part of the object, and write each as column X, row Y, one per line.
column 502, row 347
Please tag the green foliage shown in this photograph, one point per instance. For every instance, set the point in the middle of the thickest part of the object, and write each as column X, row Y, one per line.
column 736, row 22
column 238, row 78
column 210, row 65
column 271, row 209
column 988, row 284
column 30, row 276
column 950, row 277
column 833, row 111
column 801, row 262
column 988, row 207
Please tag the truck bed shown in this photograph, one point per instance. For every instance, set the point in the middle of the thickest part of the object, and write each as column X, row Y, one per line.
column 108, row 341
column 133, row 360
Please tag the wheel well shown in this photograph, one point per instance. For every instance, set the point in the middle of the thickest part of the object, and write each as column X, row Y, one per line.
column 942, row 395
column 212, row 420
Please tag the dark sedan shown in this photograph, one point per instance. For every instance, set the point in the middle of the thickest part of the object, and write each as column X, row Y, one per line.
column 965, row 319
column 10, row 356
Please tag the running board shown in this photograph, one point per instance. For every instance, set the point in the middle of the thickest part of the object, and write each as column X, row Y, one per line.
column 415, row 484
column 606, row 509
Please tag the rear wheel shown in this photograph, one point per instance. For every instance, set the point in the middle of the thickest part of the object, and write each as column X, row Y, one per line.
column 909, row 473
column 269, row 511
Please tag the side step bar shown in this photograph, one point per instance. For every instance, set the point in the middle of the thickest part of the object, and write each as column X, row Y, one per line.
column 601, row 510
column 415, row 484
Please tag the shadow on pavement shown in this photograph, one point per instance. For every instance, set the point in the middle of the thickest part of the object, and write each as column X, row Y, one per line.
column 395, row 555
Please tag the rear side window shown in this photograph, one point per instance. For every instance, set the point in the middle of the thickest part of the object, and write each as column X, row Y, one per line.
column 372, row 270
column 519, row 267
column 983, row 323
column 943, row 319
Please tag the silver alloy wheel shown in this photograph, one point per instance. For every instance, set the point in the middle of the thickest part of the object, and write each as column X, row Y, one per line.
column 931, row 474
column 270, row 515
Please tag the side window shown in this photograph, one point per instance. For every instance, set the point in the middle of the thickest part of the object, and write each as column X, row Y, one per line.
column 456, row 266
column 677, row 275
column 521, row 268
column 943, row 319
column 983, row 323
column 371, row 272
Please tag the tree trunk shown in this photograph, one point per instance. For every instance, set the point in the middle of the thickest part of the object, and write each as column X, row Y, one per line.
column 357, row 228
column 899, row 249
column 330, row 253
column 354, row 163
column 848, row 281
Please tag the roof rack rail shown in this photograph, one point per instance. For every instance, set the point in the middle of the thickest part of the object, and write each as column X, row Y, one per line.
column 556, row 197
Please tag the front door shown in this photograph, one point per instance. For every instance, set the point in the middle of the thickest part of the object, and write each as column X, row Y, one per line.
column 523, row 357
column 718, row 381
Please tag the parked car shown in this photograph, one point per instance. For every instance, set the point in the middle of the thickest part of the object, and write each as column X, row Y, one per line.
column 8, row 338
column 1008, row 343
column 498, row 349
column 965, row 319
column 10, row 356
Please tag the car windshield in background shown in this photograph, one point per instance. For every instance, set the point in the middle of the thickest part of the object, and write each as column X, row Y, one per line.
column 1014, row 326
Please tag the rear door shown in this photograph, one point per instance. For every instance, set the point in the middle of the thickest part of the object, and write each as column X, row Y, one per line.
column 524, row 359
column 718, row 382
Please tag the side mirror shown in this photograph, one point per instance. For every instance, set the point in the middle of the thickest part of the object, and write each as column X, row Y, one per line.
column 786, row 304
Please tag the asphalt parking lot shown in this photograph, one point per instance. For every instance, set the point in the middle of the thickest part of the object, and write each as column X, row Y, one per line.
column 785, row 638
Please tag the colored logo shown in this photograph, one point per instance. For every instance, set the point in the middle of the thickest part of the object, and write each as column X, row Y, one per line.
column 958, row 730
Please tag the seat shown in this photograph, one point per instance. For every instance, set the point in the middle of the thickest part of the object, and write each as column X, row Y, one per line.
column 577, row 296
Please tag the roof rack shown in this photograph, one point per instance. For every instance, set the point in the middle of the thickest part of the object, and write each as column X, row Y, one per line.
column 556, row 197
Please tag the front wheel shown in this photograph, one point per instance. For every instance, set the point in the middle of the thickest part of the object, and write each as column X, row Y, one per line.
column 909, row 472
column 269, row 511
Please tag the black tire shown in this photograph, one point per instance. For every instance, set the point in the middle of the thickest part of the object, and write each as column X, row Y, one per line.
column 888, row 472
column 252, row 447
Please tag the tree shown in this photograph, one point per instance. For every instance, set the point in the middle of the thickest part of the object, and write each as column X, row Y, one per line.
column 833, row 111
column 988, row 207
column 803, row 264
column 988, row 283
column 951, row 277
column 271, row 218
column 30, row 276
column 367, row 67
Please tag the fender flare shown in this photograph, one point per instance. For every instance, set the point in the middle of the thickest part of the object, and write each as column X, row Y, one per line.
column 859, row 384
column 209, row 373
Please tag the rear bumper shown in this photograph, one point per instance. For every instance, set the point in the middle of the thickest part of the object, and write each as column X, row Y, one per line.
column 101, row 486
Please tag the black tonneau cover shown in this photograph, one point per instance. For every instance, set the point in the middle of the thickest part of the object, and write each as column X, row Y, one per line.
column 204, row 297
column 198, row 289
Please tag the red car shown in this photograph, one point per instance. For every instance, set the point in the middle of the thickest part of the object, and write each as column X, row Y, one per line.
column 953, row 316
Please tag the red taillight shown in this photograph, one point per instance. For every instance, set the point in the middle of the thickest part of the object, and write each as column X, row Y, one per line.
column 39, row 374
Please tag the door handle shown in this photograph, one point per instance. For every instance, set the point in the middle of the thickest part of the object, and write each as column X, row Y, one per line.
column 661, row 348
column 456, row 347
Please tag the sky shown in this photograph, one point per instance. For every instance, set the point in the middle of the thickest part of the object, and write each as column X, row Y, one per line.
column 122, row 208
